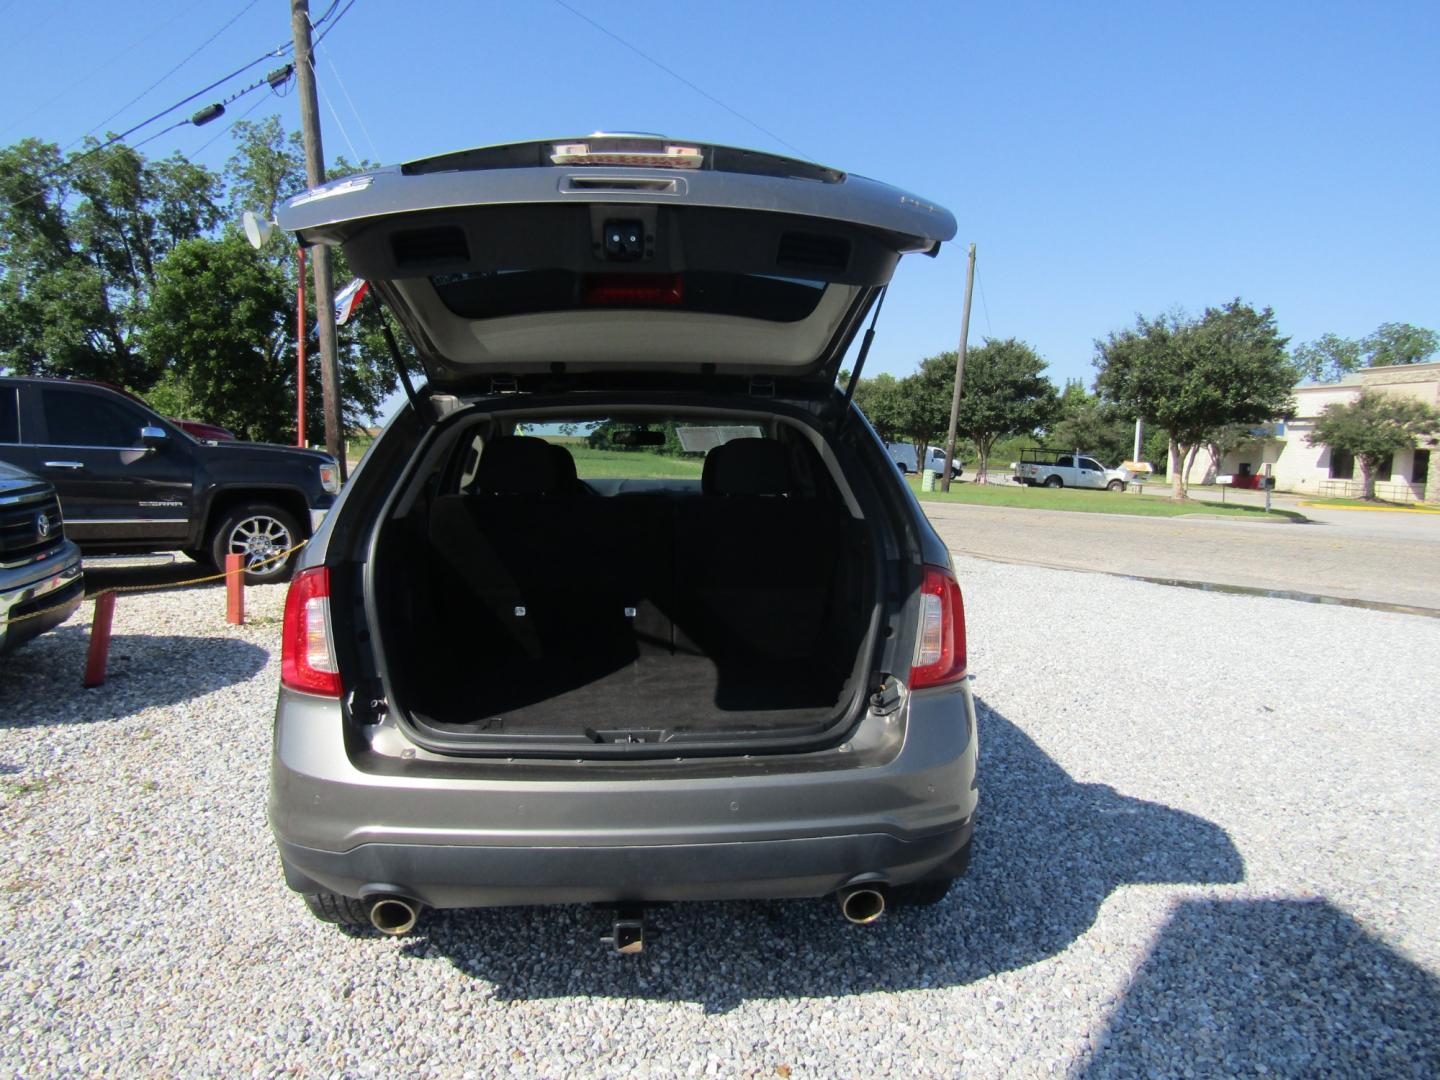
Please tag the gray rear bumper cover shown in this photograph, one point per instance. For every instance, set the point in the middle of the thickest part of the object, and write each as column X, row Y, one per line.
column 454, row 876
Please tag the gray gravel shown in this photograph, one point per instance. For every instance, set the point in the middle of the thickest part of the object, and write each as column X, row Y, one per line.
column 1221, row 859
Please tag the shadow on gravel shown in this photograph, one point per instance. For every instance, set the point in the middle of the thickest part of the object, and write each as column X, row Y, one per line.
column 1295, row 985
column 111, row 574
column 40, row 683
column 1049, row 851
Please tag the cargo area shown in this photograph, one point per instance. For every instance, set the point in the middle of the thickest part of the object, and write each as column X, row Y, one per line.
column 519, row 601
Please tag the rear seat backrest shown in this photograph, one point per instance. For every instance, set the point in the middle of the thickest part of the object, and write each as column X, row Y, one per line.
column 755, row 562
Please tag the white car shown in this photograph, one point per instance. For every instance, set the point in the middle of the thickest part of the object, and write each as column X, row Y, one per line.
column 904, row 456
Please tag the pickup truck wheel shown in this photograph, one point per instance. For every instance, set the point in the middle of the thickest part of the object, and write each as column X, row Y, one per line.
column 258, row 532
column 1054, row 481
column 1116, row 485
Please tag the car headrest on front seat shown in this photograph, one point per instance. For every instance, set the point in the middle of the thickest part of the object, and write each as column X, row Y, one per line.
column 747, row 467
column 518, row 465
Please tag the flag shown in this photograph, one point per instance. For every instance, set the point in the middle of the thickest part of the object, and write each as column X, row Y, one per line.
column 348, row 299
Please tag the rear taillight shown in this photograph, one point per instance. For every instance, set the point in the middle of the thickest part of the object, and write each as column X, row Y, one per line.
column 307, row 653
column 940, row 644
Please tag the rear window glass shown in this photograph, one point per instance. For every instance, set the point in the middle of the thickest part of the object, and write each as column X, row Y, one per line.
column 9, row 416
column 618, row 449
column 493, row 294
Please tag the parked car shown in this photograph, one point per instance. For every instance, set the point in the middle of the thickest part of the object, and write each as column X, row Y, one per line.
column 130, row 481
column 1057, row 468
column 904, row 456
column 39, row 567
column 505, row 685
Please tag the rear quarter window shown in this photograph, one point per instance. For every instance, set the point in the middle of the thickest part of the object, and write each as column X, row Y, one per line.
column 9, row 415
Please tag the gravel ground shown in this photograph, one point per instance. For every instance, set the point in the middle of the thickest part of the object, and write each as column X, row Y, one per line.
column 1229, row 868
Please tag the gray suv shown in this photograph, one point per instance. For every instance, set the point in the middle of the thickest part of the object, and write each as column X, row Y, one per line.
column 631, row 604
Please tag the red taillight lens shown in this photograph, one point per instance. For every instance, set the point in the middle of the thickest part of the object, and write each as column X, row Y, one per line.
column 634, row 290
column 307, row 654
column 940, row 644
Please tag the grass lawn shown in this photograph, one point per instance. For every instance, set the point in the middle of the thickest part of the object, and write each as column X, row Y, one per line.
column 1094, row 502
column 631, row 464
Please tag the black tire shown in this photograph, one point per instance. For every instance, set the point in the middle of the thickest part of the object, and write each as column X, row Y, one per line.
column 903, row 470
column 344, row 911
column 921, row 893
column 258, row 531
column 1054, row 482
column 1116, row 485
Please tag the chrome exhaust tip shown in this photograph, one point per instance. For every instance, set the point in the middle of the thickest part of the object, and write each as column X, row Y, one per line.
column 862, row 904
column 394, row 915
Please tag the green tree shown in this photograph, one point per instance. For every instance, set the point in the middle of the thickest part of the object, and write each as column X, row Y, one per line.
column 1004, row 392
column 219, row 320
column 1400, row 343
column 80, row 240
column 1090, row 424
column 1192, row 377
column 1372, row 428
column 880, row 400
column 1331, row 357
column 922, row 402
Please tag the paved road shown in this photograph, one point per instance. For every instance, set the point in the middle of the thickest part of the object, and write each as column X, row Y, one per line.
column 1391, row 558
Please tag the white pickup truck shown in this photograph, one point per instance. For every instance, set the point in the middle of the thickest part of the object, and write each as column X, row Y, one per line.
column 1063, row 468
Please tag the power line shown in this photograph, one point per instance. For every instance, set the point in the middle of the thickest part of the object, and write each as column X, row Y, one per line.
column 335, row 22
column 677, row 76
column 338, row 122
column 233, row 19
column 94, row 72
column 981, row 282
column 351, row 102
column 227, row 128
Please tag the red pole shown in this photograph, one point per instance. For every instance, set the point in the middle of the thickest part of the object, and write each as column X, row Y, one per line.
column 300, row 349
column 235, row 589
column 99, row 652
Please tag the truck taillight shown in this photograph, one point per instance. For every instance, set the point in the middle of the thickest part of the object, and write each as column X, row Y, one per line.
column 307, row 653
column 940, row 643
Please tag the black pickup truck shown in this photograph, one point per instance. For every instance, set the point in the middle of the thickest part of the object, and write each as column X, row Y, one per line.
column 131, row 481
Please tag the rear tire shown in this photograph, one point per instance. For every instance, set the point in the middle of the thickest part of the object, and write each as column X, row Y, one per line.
column 921, row 893
column 339, row 910
column 1115, row 485
column 1054, row 482
column 257, row 531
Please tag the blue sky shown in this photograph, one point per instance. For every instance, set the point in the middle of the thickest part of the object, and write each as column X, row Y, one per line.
column 1107, row 159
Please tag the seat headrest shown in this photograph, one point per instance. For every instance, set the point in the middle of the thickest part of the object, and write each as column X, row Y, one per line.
column 519, row 465
column 564, row 467
column 747, row 467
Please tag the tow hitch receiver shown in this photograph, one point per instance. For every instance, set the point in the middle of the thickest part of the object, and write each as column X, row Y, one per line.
column 627, row 933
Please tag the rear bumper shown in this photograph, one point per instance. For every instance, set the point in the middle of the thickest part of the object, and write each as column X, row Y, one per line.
column 462, row 876
column 477, row 838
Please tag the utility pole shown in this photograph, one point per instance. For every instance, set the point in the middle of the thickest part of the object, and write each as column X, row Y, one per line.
column 959, row 376
column 1139, row 437
column 320, row 256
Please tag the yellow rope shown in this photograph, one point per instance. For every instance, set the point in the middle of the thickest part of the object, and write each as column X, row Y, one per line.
column 158, row 588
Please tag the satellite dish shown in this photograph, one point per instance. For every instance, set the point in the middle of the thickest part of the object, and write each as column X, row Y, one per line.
column 257, row 228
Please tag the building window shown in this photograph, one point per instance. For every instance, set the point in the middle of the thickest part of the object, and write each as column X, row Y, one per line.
column 1420, row 470
column 1342, row 465
column 1385, row 468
